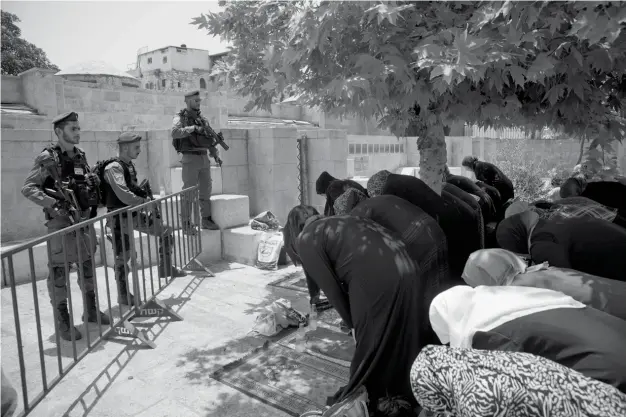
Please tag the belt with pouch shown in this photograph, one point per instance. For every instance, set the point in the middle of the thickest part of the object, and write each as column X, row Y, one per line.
column 194, row 152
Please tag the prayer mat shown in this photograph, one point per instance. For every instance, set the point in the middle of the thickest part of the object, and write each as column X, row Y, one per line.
column 293, row 281
column 285, row 379
column 326, row 343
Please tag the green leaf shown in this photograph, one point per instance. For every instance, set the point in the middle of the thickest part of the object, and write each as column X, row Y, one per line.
column 517, row 74
column 600, row 60
column 555, row 93
column 577, row 55
column 540, row 67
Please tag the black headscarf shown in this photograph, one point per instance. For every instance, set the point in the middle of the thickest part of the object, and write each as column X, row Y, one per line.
column 296, row 220
column 571, row 187
column 513, row 232
column 323, row 181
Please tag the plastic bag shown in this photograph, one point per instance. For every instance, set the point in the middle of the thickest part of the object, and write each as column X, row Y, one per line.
column 268, row 252
column 265, row 221
column 278, row 315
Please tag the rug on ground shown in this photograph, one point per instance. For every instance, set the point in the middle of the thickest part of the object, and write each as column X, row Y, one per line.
column 293, row 281
column 291, row 381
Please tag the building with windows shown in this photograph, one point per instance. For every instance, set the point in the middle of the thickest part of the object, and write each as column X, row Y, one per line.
column 173, row 68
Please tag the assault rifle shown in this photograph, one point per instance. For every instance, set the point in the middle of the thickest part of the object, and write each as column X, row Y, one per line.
column 216, row 138
column 145, row 185
column 67, row 199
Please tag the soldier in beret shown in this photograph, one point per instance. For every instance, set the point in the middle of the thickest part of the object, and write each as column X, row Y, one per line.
column 66, row 163
column 189, row 139
column 120, row 189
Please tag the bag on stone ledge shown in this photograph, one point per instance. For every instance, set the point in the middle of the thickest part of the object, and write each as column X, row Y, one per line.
column 265, row 221
column 268, row 252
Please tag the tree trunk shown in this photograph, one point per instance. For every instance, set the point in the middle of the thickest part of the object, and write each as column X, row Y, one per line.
column 433, row 156
column 582, row 150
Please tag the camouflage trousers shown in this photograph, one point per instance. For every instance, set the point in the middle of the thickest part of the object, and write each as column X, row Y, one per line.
column 65, row 249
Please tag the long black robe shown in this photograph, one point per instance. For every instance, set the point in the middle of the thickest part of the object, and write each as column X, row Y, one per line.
column 425, row 241
column 584, row 339
column 375, row 286
column 492, row 175
column 586, row 244
column 611, row 194
column 454, row 217
column 487, row 206
column 474, row 206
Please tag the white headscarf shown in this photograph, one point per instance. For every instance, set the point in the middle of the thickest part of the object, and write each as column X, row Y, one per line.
column 458, row 313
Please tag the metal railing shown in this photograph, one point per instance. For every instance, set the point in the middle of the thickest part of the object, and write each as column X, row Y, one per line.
column 156, row 227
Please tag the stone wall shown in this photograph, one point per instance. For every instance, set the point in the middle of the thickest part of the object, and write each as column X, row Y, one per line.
column 370, row 154
column 12, row 89
column 326, row 150
column 104, row 106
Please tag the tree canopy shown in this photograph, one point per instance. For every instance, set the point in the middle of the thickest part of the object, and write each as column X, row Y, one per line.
column 416, row 66
column 19, row 55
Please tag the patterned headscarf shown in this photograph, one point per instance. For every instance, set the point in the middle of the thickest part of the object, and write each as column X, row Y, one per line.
column 347, row 201
column 469, row 383
column 376, row 183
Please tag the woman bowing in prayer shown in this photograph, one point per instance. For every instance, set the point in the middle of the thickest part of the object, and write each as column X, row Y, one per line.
column 492, row 175
column 328, row 185
column 588, row 245
column 471, row 383
column 426, row 243
column 533, row 320
column 499, row 267
column 369, row 277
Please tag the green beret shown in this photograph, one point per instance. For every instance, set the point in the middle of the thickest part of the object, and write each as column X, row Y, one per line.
column 128, row 137
column 65, row 117
column 192, row 93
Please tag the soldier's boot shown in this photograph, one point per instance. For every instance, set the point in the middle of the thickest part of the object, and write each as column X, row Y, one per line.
column 91, row 310
column 208, row 223
column 165, row 263
column 190, row 228
column 65, row 327
column 124, row 297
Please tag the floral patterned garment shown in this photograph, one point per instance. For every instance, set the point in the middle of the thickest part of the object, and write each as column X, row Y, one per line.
column 470, row 383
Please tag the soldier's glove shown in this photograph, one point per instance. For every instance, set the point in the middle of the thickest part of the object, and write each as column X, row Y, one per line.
column 92, row 180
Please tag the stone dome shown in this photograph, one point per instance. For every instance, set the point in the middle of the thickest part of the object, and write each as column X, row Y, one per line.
column 99, row 72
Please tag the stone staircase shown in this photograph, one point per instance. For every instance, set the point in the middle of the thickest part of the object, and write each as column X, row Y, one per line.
column 235, row 240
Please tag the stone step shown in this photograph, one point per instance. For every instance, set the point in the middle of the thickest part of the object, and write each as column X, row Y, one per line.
column 241, row 244
column 230, row 210
column 216, row 176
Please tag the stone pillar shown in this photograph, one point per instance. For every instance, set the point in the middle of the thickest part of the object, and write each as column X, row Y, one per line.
column 273, row 170
column 40, row 92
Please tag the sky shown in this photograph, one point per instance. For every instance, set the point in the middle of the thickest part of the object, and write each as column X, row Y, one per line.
column 71, row 32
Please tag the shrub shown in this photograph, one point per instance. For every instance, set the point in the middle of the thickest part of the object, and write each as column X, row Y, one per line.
column 529, row 176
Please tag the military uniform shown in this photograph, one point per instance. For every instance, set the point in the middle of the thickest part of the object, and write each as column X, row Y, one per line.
column 195, row 161
column 122, row 190
column 64, row 249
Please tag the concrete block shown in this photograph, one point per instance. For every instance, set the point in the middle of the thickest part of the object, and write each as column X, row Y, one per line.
column 412, row 171
column 229, row 210
column 216, row 176
column 240, row 244
column 211, row 246
column 361, row 180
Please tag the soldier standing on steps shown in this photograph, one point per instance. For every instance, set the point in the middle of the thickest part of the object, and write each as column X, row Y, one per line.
column 65, row 163
column 120, row 189
column 187, row 139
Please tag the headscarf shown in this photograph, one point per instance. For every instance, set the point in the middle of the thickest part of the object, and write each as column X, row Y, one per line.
column 376, row 183
column 323, row 181
column 470, row 383
column 296, row 220
column 469, row 162
column 492, row 267
column 458, row 313
column 572, row 187
column 347, row 201
column 499, row 267
column 513, row 233
column 516, row 207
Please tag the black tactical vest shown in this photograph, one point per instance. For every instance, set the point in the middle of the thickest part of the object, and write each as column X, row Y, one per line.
column 112, row 202
column 72, row 169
